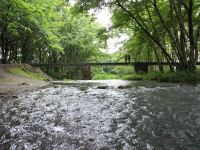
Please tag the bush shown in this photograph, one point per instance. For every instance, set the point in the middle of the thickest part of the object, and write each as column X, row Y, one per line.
column 23, row 71
column 104, row 76
column 182, row 77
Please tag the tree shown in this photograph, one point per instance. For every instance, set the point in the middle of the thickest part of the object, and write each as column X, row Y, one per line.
column 172, row 25
column 46, row 31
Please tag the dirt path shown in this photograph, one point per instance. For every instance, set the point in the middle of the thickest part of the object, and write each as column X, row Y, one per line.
column 12, row 85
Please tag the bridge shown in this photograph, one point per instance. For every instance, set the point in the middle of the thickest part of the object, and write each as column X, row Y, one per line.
column 86, row 67
column 96, row 64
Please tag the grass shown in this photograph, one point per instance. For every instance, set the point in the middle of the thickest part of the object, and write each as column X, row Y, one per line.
column 174, row 77
column 57, row 75
column 26, row 73
column 177, row 77
column 105, row 76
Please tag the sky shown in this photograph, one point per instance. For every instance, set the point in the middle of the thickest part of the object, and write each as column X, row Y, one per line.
column 103, row 17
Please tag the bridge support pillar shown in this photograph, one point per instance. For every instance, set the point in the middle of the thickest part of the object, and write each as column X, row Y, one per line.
column 141, row 68
column 86, row 72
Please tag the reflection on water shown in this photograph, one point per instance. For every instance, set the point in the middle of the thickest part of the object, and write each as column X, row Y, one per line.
column 111, row 114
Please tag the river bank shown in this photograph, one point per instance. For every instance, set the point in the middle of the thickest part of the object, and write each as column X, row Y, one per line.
column 170, row 77
column 16, row 79
column 167, row 77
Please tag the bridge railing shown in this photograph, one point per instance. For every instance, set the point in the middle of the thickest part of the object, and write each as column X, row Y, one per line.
column 95, row 64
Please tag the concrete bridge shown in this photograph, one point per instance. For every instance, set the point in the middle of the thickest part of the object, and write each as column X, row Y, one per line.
column 86, row 67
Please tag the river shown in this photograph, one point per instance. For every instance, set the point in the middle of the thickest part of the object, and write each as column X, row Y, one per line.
column 103, row 115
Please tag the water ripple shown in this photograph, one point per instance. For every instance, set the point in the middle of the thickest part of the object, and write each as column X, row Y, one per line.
column 82, row 116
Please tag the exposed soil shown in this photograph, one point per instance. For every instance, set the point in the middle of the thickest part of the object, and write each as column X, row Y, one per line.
column 12, row 85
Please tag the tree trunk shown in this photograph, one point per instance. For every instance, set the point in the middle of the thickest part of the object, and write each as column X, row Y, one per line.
column 192, row 63
column 4, row 45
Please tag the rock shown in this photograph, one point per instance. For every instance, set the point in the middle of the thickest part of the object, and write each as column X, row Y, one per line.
column 24, row 84
column 15, row 122
column 91, row 139
column 104, row 148
column 55, row 86
column 2, row 93
column 46, row 79
column 4, row 132
column 2, row 96
column 124, row 87
column 102, row 87
column 83, row 88
column 14, row 96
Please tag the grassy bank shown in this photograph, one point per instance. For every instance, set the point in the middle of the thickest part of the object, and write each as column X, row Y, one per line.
column 27, row 71
column 18, row 78
column 181, row 77
column 105, row 76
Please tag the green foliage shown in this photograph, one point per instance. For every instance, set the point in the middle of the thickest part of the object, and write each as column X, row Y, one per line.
column 57, row 75
column 47, row 31
column 27, row 73
column 122, row 70
column 119, row 72
column 41, row 31
column 105, row 76
column 180, row 77
column 159, row 30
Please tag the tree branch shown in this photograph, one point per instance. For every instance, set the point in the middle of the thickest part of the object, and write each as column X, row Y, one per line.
column 163, row 23
column 168, row 57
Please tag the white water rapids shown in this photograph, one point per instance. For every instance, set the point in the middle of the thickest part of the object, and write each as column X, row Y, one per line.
column 111, row 114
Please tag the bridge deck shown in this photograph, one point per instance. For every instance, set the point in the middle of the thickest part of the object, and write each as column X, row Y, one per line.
column 98, row 64
column 95, row 64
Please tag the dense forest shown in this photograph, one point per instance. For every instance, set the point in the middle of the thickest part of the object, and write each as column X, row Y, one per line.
column 159, row 30
column 40, row 31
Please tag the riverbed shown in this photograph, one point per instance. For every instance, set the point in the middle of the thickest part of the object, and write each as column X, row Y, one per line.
column 103, row 115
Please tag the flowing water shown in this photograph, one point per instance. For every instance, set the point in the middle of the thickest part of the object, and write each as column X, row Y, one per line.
column 103, row 115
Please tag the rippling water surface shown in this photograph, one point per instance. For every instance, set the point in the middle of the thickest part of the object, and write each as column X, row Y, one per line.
column 103, row 115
